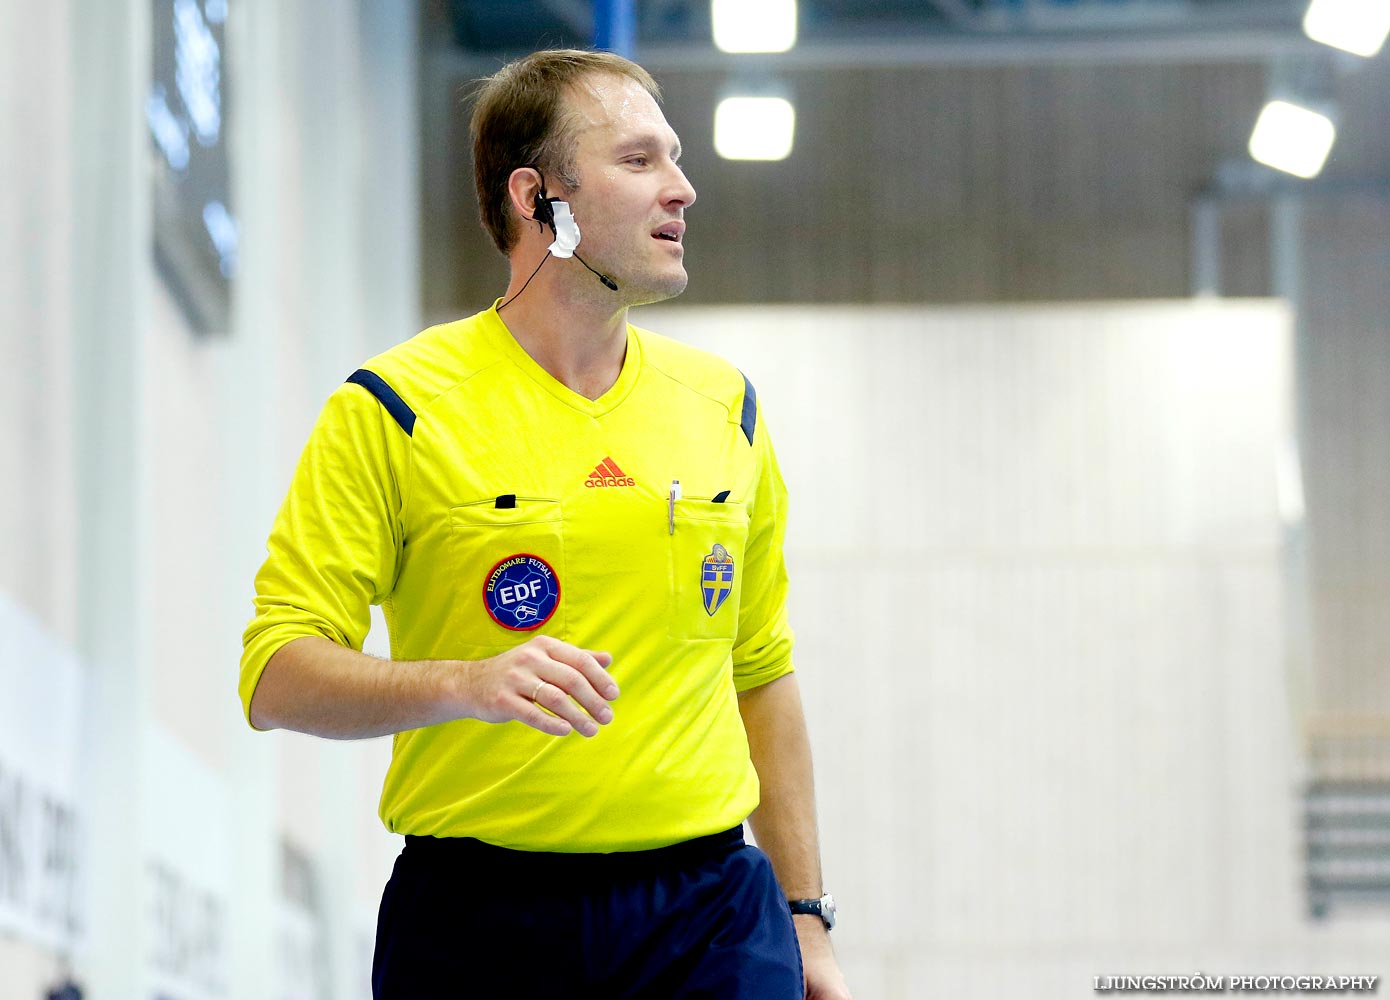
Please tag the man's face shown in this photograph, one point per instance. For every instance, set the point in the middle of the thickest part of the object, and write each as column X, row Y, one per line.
column 632, row 196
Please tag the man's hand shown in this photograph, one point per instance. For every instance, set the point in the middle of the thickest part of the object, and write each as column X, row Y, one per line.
column 545, row 683
column 824, row 980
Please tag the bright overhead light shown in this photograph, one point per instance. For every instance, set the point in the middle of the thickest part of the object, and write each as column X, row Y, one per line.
column 1358, row 26
column 754, row 128
column 1292, row 139
column 754, row 25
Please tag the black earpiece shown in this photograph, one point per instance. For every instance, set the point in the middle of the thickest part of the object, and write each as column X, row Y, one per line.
column 544, row 214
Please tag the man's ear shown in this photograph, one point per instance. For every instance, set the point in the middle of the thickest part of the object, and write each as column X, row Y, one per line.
column 523, row 186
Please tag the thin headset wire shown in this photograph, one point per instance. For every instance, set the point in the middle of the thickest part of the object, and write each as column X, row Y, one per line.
column 528, row 281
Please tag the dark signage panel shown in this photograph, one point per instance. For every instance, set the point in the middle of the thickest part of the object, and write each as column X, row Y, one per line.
column 195, row 232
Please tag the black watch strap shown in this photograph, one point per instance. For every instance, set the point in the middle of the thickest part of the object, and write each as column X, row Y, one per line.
column 823, row 908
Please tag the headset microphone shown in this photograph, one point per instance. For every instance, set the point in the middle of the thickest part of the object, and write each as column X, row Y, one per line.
column 556, row 214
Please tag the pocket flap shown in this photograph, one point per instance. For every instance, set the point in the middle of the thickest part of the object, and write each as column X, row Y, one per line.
column 486, row 513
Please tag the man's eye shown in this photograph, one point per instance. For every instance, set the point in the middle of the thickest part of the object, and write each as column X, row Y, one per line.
column 640, row 161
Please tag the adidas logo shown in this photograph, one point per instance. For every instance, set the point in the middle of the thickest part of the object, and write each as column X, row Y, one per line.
column 607, row 473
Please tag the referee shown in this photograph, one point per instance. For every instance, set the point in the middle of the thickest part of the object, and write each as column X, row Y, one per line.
column 574, row 527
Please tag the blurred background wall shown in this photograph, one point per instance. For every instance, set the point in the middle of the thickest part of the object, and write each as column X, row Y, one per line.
column 143, row 461
column 1035, row 607
column 1089, row 564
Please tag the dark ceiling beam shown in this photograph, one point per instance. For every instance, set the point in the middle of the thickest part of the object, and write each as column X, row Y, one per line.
column 1180, row 46
column 577, row 15
column 955, row 11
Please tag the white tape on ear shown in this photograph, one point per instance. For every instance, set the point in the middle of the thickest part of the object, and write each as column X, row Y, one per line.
column 566, row 230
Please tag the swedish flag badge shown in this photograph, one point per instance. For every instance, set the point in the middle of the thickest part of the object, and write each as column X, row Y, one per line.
column 717, row 578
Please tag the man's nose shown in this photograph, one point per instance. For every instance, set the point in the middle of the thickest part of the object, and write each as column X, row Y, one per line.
column 681, row 191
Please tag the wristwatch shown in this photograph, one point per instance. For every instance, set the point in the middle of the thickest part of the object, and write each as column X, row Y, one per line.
column 823, row 908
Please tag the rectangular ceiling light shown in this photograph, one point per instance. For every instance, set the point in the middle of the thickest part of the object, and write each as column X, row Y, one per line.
column 1292, row 139
column 754, row 128
column 1358, row 26
column 754, row 25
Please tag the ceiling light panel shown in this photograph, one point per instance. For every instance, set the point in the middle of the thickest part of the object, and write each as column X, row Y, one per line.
column 1292, row 139
column 754, row 25
column 754, row 128
column 1358, row 26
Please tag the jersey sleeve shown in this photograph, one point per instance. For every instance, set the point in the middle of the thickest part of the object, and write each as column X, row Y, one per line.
column 763, row 648
column 336, row 543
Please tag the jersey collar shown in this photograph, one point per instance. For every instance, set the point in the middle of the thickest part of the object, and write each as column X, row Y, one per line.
column 514, row 352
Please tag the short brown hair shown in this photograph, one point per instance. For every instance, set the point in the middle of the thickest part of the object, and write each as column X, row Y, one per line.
column 519, row 120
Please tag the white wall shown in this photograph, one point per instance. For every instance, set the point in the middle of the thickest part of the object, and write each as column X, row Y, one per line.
column 1346, row 418
column 1037, row 583
column 142, row 466
column 35, row 319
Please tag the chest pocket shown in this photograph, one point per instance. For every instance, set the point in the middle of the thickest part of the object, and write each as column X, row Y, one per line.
column 511, row 572
column 707, row 565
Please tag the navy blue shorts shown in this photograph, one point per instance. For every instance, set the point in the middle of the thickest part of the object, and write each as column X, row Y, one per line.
column 706, row 918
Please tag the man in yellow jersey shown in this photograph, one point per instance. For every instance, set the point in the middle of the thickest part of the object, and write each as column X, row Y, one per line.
column 552, row 507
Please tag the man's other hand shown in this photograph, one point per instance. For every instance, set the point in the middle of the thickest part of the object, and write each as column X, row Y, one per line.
column 544, row 683
column 824, row 981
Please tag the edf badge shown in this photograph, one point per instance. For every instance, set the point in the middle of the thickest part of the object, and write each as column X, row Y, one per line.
column 521, row 592
column 717, row 578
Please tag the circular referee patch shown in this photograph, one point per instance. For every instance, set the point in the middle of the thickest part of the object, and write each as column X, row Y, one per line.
column 521, row 592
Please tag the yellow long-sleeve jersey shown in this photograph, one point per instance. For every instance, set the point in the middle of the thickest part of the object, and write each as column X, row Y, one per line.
column 478, row 500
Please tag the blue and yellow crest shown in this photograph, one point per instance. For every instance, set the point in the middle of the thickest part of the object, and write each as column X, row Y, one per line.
column 716, row 578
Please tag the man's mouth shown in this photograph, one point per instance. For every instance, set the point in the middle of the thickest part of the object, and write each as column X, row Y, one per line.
column 671, row 232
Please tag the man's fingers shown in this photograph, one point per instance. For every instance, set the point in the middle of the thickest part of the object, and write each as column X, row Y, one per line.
column 576, row 685
column 594, row 666
column 531, row 714
column 555, row 699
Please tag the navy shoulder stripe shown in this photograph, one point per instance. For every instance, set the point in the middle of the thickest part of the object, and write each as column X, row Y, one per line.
column 749, row 420
column 385, row 395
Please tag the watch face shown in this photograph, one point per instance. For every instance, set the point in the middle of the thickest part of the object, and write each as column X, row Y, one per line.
column 827, row 910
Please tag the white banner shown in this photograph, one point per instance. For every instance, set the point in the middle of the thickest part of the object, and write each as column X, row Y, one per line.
column 187, row 823
column 40, row 712
column 301, row 954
